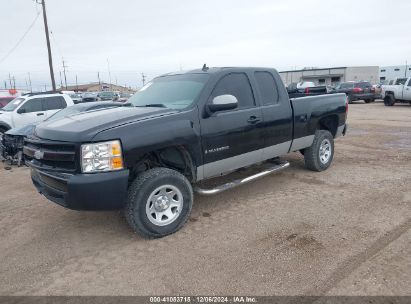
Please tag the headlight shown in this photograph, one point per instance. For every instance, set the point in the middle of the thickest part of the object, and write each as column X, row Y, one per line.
column 103, row 156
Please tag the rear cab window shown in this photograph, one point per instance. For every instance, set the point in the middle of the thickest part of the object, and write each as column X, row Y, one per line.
column 346, row 85
column 267, row 87
column 54, row 103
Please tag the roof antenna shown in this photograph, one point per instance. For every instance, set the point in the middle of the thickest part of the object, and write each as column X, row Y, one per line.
column 205, row 68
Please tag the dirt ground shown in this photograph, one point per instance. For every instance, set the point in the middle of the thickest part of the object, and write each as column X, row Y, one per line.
column 345, row 231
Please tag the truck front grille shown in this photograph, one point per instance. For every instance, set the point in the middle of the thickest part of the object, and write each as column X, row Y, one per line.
column 50, row 155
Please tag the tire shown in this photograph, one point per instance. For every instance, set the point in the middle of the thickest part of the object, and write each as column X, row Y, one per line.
column 349, row 98
column 367, row 100
column 313, row 160
column 141, row 202
column 389, row 100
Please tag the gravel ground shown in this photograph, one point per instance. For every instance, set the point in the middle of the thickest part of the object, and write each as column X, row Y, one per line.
column 345, row 231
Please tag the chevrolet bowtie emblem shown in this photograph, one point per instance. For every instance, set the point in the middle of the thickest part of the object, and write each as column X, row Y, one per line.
column 38, row 155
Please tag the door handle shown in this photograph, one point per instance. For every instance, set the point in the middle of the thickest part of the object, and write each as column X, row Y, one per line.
column 253, row 119
column 40, row 114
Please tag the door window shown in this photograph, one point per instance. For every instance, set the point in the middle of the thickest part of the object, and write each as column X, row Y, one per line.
column 55, row 103
column 33, row 105
column 267, row 87
column 236, row 84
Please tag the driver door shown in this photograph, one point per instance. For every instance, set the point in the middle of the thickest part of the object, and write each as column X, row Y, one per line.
column 30, row 112
column 232, row 139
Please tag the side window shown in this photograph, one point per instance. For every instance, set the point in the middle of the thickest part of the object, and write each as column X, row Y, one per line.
column 267, row 87
column 236, row 84
column 55, row 103
column 33, row 105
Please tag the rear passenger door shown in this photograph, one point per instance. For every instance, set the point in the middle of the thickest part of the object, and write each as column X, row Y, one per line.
column 277, row 115
column 234, row 138
column 53, row 104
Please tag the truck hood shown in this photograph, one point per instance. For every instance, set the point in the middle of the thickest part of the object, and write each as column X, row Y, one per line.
column 84, row 126
column 22, row 131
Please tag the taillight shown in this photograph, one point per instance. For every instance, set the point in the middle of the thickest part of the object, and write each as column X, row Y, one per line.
column 346, row 108
column 307, row 90
column 357, row 90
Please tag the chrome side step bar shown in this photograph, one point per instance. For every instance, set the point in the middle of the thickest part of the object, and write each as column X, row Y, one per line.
column 238, row 182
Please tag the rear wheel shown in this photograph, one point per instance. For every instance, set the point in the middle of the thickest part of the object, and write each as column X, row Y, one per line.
column 159, row 202
column 319, row 156
column 367, row 100
column 389, row 100
column 349, row 98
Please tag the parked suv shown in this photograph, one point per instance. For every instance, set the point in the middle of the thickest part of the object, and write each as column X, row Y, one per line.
column 362, row 90
column 31, row 108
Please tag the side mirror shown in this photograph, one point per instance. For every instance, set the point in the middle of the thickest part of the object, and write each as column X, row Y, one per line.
column 21, row 111
column 222, row 103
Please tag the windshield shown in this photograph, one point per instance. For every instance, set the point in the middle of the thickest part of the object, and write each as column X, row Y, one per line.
column 401, row 81
column 12, row 105
column 174, row 92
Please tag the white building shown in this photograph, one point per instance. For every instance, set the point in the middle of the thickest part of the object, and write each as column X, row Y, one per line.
column 332, row 76
column 391, row 72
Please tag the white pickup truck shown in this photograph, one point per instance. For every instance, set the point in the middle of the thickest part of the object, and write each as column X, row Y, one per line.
column 400, row 91
column 31, row 108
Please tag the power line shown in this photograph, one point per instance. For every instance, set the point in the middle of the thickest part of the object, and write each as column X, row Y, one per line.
column 21, row 39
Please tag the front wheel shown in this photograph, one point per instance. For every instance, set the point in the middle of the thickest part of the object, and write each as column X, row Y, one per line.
column 3, row 130
column 159, row 202
column 319, row 156
column 389, row 100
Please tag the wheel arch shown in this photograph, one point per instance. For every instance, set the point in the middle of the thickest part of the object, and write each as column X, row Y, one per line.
column 177, row 157
column 4, row 125
column 329, row 123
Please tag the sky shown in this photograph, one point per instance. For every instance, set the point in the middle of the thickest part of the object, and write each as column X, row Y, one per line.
column 159, row 36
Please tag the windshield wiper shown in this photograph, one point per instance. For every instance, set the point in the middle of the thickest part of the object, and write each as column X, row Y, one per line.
column 157, row 105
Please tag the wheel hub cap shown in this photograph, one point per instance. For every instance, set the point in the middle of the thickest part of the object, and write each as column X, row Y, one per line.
column 164, row 205
column 325, row 151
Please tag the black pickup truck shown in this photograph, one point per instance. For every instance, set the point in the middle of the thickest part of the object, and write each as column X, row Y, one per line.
column 149, row 155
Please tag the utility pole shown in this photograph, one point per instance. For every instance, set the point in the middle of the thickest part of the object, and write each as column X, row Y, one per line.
column 61, row 81
column 31, row 88
column 64, row 72
column 76, row 83
column 46, row 29
column 98, row 76
column 5, row 85
column 143, row 79
column 11, row 85
column 406, row 68
column 14, row 82
column 109, row 73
